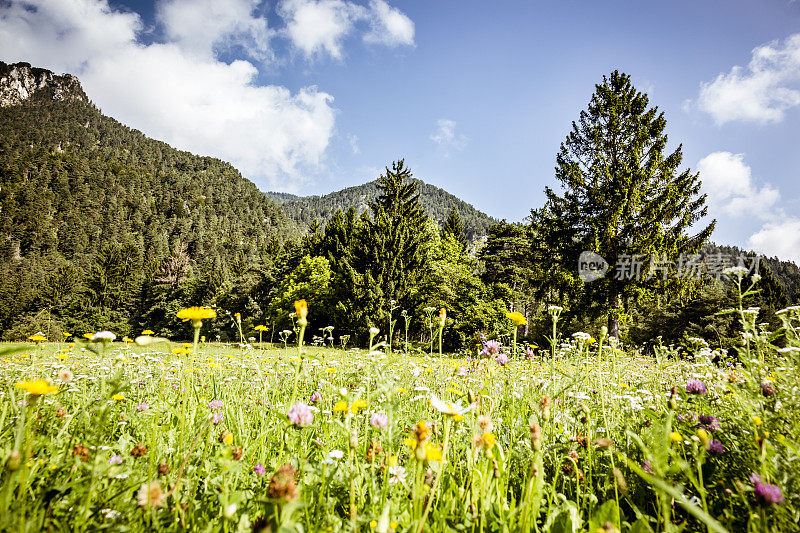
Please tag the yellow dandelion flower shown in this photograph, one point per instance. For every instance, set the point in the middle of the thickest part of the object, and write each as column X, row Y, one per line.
column 432, row 453
column 181, row 350
column 517, row 318
column 37, row 338
column 757, row 420
column 148, row 332
column 196, row 314
column 675, row 436
column 358, row 405
column 119, row 397
column 36, row 387
column 301, row 308
column 228, row 439
column 340, row 406
column 260, row 327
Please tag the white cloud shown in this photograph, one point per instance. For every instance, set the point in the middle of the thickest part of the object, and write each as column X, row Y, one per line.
column 446, row 138
column 760, row 92
column 177, row 91
column 317, row 27
column 201, row 26
column 389, row 25
column 728, row 182
column 353, row 139
column 781, row 239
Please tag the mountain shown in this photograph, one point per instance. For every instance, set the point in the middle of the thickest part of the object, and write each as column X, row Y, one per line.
column 99, row 222
column 436, row 202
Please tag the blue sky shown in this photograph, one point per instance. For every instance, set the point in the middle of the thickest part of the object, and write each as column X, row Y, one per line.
column 310, row 96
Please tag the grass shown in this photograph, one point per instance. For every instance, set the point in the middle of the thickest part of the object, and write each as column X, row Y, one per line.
column 598, row 437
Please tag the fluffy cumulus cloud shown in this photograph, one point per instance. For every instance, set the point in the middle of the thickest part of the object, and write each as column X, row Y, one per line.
column 780, row 238
column 177, row 89
column 762, row 92
column 446, row 138
column 319, row 27
column 728, row 181
column 734, row 196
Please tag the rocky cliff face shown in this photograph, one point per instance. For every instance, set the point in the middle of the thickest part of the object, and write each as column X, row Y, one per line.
column 19, row 82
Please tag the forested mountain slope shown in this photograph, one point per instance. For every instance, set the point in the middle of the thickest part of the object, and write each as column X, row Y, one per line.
column 436, row 202
column 99, row 223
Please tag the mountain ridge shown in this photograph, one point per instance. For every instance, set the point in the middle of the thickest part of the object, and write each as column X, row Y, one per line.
column 436, row 202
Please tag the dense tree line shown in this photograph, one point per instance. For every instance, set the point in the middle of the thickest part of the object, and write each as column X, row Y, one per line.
column 437, row 203
column 103, row 228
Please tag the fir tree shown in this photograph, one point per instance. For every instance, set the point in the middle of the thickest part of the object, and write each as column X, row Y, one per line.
column 623, row 196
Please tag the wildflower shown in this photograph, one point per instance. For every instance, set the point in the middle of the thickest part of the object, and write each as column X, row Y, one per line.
column 61, row 413
column 545, row 404
column 336, row 454
column 675, row 436
column 315, row 397
column 259, row 470
column 536, row 436
column 379, row 420
column 36, row 387
column 228, row 439
column 709, row 422
column 340, row 406
column 529, row 353
column 179, row 351
column 81, row 452
column 163, row 469
column 142, row 407
column 757, row 420
column 450, row 409
column 375, row 449
column 517, row 318
column 216, row 418
column 767, row 389
column 491, row 347
column 647, row 466
column 236, row 452
column 282, row 485
column 301, row 308
column 196, row 315
column 103, row 336
column 37, row 337
column 374, row 331
column 485, row 423
column 502, row 359
column 768, row 493
column 215, row 405
column 115, row 460
column 442, row 316
column 486, row 440
column 230, row 510
column 357, row 405
column 140, row 450
column 703, row 436
column 695, row 386
column 397, row 474
column 148, row 332
column 119, row 397
column 260, row 327
column 65, row 375
column 151, row 495
column 300, row 415
column 715, row 446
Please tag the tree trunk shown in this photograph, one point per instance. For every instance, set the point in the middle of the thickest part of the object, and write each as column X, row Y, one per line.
column 613, row 315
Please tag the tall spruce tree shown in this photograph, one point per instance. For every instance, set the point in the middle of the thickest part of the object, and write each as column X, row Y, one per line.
column 455, row 227
column 395, row 250
column 622, row 197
